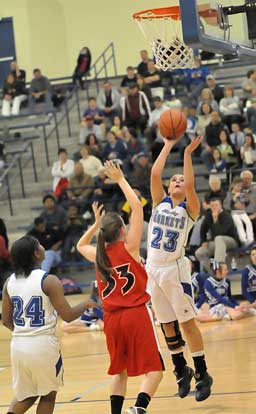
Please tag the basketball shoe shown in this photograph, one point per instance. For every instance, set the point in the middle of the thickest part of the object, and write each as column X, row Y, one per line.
column 203, row 387
column 183, row 380
column 136, row 410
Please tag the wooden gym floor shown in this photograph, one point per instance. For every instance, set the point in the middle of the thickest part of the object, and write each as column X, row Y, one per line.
column 231, row 355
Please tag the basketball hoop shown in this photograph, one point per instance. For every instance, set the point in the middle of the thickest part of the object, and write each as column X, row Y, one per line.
column 162, row 28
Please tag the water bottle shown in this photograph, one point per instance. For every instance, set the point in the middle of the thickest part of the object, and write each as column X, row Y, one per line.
column 233, row 264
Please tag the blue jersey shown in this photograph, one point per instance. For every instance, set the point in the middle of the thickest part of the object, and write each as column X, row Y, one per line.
column 218, row 291
column 249, row 283
column 198, row 281
column 168, row 231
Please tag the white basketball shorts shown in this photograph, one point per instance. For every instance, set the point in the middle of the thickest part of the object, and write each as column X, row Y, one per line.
column 37, row 367
column 171, row 291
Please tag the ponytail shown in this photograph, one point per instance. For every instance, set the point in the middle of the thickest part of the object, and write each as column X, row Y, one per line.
column 102, row 259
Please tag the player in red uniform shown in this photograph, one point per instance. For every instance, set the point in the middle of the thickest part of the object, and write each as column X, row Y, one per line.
column 122, row 281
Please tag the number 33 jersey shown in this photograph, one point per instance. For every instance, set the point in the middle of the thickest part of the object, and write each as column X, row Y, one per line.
column 126, row 287
column 33, row 313
column 168, row 232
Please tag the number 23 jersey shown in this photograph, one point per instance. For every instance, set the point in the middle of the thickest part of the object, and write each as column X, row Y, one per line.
column 127, row 285
column 168, row 232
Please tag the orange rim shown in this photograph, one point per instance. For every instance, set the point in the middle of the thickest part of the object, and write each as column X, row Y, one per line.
column 172, row 12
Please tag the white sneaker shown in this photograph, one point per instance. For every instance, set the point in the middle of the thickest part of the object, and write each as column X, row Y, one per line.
column 252, row 311
column 94, row 327
column 136, row 410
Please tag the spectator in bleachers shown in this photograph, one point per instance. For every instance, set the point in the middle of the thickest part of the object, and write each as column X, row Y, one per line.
column 126, row 209
column 248, row 152
column 236, row 137
column 129, row 79
column 134, row 147
column 142, row 67
column 152, row 132
column 19, row 74
column 250, row 99
column 225, row 147
column 216, row 191
column 218, row 165
column 204, row 118
column 40, row 90
column 90, row 163
column 190, row 113
column 117, row 127
column 108, row 100
column 230, row 108
column 206, row 96
column 61, row 171
column 103, row 190
column 251, row 114
column 83, row 65
column 153, row 79
column 135, row 108
column 80, row 187
column 196, row 77
column 217, row 90
column 5, row 262
column 249, row 83
column 140, row 175
column 212, row 133
column 50, row 239
column 219, row 298
column 93, row 111
column 88, row 127
column 114, row 149
column 249, row 280
column 55, row 216
column 173, row 102
column 219, row 226
column 94, row 146
column 13, row 95
column 143, row 87
column 76, row 226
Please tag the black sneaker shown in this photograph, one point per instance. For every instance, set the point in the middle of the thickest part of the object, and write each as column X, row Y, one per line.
column 184, row 380
column 203, row 387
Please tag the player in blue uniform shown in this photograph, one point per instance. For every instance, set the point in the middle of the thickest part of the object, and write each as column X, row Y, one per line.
column 198, row 280
column 169, row 270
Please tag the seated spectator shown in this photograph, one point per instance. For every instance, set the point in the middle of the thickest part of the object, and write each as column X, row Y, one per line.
column 5, row 262
column 196, row 77
column 218, row 165
column 251, row 114
column 129, row 79
column 219, row 226
column 61, row 172
column 134, row 147
column 88, row 127
column 135, row 109
column 153, row 79
column 55, row 216
column 83, row 65
column 143, row 87
column 250, row 100
column 93, row 111
column 248, row 152
column 212, row 134
column 114, row 149
column 90, row 163
column 126, row 209
column 140, row 176
column 152, row 132
column 80, row 187
column 142, row 67
column 18, row 74
column 92, row 319
column 117, row 127
column 50, row 239
column 249, row 83
column 207, row 97
column 236, row 137
column 94, row 146
column 190, row 114
column 249, row 280
column 103, row 190
column 76, row 226
column 236, row 201
column 204, row 118
column 108, row 100
column 217, row 90
column 216, row 191
column 173, row 102
column 40, row 90
column 13, row 94
column 230, row 107
column 219, row 298
column 225, row 148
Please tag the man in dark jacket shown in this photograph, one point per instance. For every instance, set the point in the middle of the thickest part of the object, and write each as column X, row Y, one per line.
column 223, row 235
column 212, row 133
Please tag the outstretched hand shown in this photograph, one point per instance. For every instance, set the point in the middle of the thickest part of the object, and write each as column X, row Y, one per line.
column 113, row 171
column 194, row 144
column 98, row 212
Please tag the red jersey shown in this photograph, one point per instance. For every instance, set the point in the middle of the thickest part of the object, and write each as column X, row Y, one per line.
column 127, row 286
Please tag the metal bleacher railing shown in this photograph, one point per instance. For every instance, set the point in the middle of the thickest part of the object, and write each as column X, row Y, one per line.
column 100, row 69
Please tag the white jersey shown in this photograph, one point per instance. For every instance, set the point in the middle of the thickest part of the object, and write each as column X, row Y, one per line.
column 168, row 232
column 33, row 312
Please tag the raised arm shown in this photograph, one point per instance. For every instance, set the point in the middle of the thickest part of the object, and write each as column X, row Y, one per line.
column 156, row 184
column 193, row 204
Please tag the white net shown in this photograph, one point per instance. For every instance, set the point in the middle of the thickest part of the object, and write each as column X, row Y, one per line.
column 164, row 36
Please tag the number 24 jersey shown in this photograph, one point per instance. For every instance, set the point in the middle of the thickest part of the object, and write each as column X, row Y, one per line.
column 127, row 285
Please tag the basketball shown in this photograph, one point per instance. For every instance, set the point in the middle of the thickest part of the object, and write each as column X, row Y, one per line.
column 172, row 124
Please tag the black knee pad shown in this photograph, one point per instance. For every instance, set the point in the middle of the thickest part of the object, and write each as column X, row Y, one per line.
column 174, row 342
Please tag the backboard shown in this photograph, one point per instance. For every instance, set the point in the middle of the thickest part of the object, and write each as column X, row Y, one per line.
column 222, row 32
